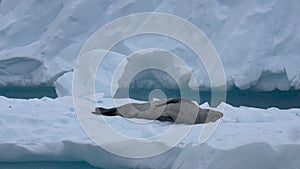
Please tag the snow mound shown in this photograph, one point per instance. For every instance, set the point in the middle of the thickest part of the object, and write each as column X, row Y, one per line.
column 63, row 85
column 257, row 42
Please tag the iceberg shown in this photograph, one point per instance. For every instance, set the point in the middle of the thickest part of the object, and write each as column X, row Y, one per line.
column 46, row 44
column 48, row 130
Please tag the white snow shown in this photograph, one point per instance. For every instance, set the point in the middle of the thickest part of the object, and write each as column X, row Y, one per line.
column 48, row 130
column 258, row 42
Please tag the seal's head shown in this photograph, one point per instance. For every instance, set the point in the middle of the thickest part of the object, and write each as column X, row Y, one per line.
column 213, row 116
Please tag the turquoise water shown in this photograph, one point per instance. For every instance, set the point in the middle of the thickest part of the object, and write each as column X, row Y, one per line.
column 235, row 96
column 28, row 92
column 47, row 165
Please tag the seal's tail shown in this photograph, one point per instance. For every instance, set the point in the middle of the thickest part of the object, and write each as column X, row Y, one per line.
column 105, row 112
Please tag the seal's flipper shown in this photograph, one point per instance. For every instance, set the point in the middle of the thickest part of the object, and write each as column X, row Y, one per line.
column 165, row 118
column 176, row 100
column 105, row 112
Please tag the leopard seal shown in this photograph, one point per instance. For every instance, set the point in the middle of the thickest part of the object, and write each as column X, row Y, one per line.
column 177, row 110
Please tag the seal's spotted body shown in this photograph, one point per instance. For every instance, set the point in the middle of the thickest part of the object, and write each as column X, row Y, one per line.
column 174, row 110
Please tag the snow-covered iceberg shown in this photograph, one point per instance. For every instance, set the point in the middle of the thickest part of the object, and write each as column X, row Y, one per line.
column 258, row 42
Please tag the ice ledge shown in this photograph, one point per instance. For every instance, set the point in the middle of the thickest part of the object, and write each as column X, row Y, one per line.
column 248, row 137
column 248, row 156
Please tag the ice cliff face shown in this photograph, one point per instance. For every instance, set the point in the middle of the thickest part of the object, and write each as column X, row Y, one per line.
column 258, row 41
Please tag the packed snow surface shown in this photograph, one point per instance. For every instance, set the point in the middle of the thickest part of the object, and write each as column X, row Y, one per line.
column 48, row 130
column 258, row 41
